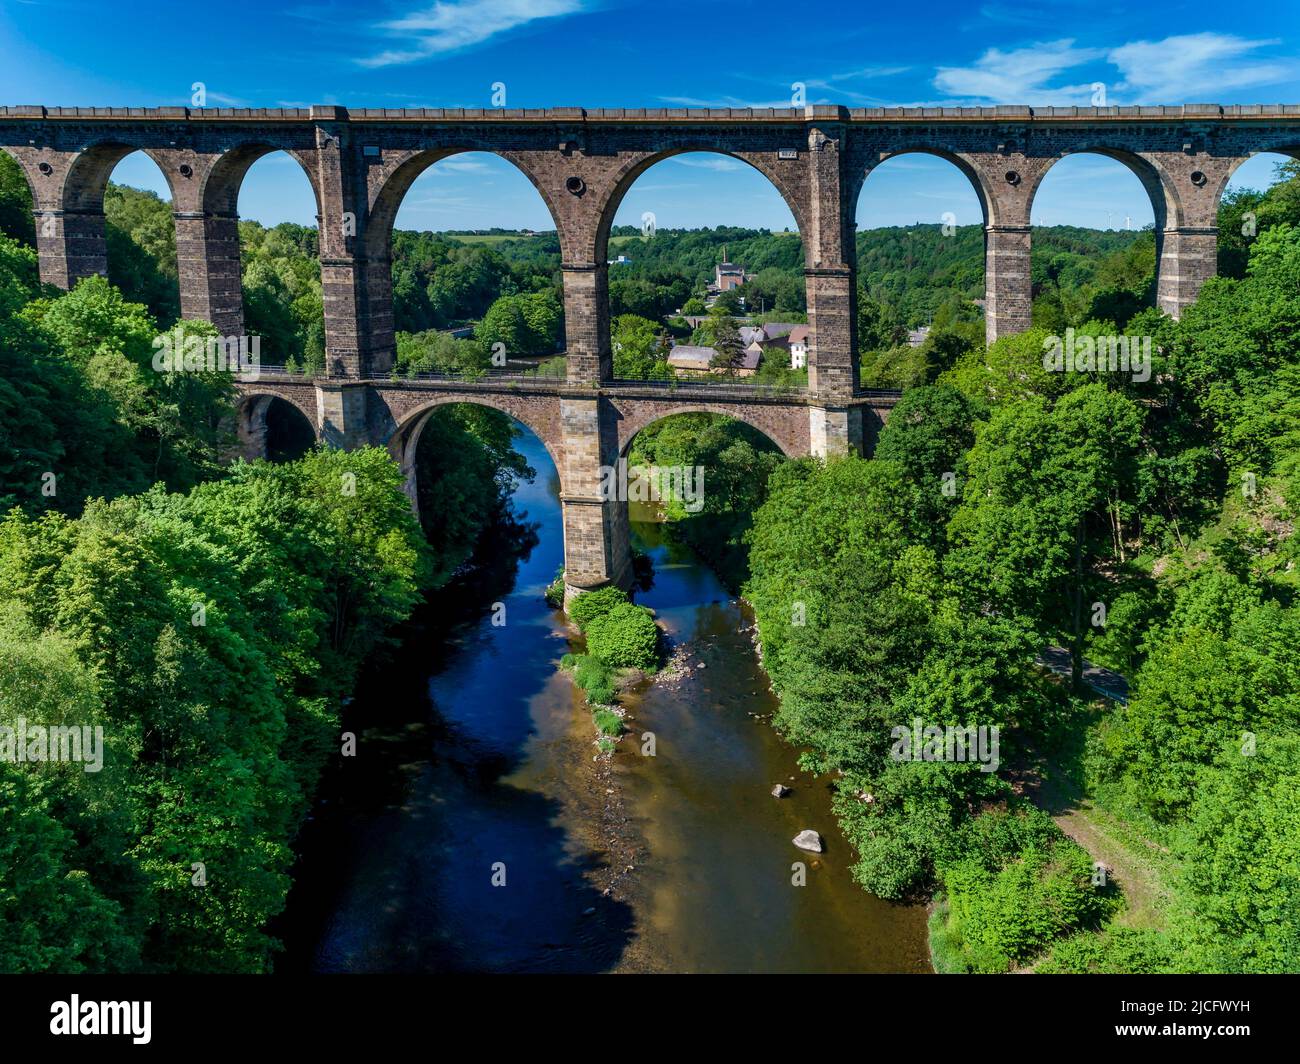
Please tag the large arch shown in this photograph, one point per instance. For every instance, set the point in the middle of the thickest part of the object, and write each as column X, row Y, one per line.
column 403, row 440
column 1159, row 184
column 389, row 184
column 787, row 427
column 635, row 165
column 623, row 181
column 1290, row 149
column 976, row 177
column 87, row 177
column 220, row 183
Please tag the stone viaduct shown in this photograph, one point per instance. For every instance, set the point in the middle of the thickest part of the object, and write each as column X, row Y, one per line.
column 361, row 162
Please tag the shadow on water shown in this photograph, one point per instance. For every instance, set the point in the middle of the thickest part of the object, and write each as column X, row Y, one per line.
column 469, row 742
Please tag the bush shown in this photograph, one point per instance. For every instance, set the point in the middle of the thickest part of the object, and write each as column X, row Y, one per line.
column 592, row 604
column 554, row 593
column 607, row 722
column 1005, row 917
column 588, row 670
column 1117, row 951
column 624, row 637
column 946, row 952
column 593, row 676
column 601, row 693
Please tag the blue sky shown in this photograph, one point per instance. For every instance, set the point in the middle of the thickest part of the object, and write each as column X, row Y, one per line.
column 411, row 53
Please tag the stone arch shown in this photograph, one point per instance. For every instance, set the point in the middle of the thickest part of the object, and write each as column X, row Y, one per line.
column 22, row 166
column 220, row 184
column 401, row 170
column 1158, row 183
column 1290, row 148
column 87, row 177
column 403, row 440
column 631, row 168
column 251, row 419
column 777, row 427
column 973, row 173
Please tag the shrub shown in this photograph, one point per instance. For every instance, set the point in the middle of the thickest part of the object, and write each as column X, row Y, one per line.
column 1117, row 951
column 601, row 693
column 593, row 676
column 607, row 722
column 592, row 604
column 946, row 952
column 588, row 670
column 624, row 637
column 1006, row 917
column 554, row 593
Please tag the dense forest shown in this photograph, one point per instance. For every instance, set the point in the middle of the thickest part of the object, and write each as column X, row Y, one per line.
column 212, row 616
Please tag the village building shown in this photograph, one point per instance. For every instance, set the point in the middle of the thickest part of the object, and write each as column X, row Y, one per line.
column 789, row 347
column 688, row 358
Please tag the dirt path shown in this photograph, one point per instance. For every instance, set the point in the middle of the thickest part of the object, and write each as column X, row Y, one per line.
column 1132, row 864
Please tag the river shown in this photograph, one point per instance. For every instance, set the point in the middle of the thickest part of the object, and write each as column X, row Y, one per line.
column 476, row 831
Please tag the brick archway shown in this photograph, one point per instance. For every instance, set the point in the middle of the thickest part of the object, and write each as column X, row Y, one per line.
column 968, row 168
column 1158, row 184
column 250, row 417
column 631, row 168
column 410, row 414
column 786, row 426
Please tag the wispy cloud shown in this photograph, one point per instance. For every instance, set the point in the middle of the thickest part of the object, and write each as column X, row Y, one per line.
column 453, row 166
column 1188, row 67
column 720, row 163
column 1021, row 75
column 722, row 101
column 1177, row 69
column 222, row 100
column 454, row 25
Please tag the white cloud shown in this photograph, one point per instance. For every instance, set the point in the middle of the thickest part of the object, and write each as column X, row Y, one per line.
column 1180, row 69
column 456, row 24
column 1195, row 67
column 1020, row 75
column 720, row 163
column 453, row 166
column 723, row 101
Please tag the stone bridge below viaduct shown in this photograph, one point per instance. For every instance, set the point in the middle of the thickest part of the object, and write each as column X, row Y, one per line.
column 586, row 431
column 361, row 163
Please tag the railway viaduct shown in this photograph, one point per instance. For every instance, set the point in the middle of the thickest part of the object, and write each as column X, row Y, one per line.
column 361, row 162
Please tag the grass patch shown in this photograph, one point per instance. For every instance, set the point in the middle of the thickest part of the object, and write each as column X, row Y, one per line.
column 607, row 722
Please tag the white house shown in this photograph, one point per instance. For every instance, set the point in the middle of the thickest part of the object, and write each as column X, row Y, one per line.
column 798, row 340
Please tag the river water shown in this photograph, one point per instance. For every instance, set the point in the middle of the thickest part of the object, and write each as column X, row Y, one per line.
column 476, row 831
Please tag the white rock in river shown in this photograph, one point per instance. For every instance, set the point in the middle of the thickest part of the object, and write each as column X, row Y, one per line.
column 809, row 840
column 780, row 790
